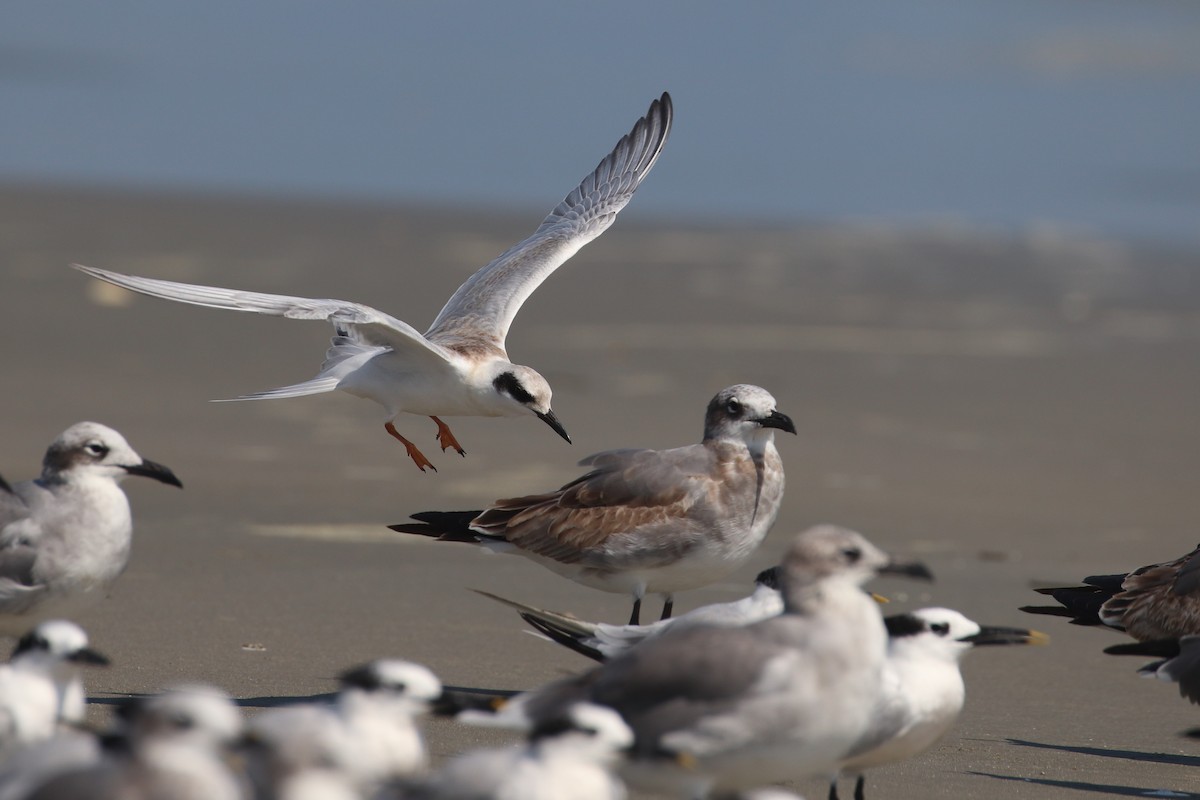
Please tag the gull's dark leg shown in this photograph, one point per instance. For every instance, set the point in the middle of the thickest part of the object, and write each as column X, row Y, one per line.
column 416, row 455
column 446, row 438
column 635, row 617
column 860, row 787
column 833, row 795
column 668, row 606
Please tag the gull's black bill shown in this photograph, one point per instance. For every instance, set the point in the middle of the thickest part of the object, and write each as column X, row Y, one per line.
column 150, row 469
column 777, row 420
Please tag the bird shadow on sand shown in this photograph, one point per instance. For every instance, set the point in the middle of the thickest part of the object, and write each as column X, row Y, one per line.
column 275, row 701
column 244, row 702
column 1105, row 752
column 1094, row 788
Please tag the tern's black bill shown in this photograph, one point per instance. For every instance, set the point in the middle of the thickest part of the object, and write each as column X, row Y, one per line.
column 553, row 422
column 150, row 469
column 991, row 634
column 87, row 655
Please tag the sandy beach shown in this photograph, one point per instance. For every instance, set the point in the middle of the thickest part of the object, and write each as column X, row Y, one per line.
column 1015, row 411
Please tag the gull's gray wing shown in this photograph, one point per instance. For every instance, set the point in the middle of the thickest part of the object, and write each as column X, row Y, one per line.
column 638, row 503
column 483, row 308
column 673, row 682
column 12, row 507
column 19, row 590
column 370, row 326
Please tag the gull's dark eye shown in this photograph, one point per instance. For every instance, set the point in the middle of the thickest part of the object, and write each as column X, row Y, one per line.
column 96, row 449
column 733, row 407
column 852, row 554
column 940, row 628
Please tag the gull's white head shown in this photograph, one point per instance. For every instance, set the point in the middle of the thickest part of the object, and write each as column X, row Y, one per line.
column 826, row 551
column 744, row 412
column 57, row 641
column 89, row 449
column 521, row 390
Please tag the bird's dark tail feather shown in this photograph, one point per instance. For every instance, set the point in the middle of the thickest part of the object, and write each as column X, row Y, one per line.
column 562, row 637
column 445, row 526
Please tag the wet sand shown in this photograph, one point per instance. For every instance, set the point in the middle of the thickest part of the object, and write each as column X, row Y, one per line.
column 1015, row 411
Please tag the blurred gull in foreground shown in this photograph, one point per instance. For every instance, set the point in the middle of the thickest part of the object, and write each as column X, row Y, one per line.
column 172, row 745
column 725, row 709
column 568, row 757
column 65, row 537
column 40, row 688
column 368, row 736
column 647, row 521
column 459, row 367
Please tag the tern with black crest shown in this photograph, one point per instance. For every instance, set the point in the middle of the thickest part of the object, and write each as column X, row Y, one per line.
column 459, row 367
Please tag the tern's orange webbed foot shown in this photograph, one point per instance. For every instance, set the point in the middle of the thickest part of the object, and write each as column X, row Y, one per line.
column 416, row 455
column 446, row 438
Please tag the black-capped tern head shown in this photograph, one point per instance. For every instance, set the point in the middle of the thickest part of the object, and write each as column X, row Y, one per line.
column 58, row 641
column 89, row 449
column 952, row 634
column 529, row 391
column 393, row 680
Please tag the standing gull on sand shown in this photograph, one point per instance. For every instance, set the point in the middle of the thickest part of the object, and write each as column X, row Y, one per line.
column 458, row 367
column 65, row 537
column 647, row 521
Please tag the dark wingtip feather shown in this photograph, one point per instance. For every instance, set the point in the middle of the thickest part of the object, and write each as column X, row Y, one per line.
column 562, row 637
column 446, row 526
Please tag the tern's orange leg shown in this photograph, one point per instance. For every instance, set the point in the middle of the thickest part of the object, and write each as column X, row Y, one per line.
column 416, row 455
column 446, row 438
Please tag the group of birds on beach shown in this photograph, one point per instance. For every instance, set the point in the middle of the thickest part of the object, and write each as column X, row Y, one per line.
column 803, row 677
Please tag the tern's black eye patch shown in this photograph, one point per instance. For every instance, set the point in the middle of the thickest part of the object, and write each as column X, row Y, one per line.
column 904, row 625
column 507, row 383
column 940, row 628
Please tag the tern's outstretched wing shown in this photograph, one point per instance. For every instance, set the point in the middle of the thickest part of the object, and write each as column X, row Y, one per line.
column 371, row 327
column 483, row 308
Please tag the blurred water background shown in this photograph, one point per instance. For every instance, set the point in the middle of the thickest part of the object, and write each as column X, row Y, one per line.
column 1056, row 117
